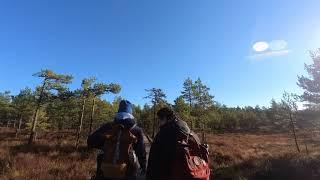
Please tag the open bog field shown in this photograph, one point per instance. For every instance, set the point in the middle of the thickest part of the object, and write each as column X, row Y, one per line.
column 233, row 156
column 265, row 156
column 44, row 160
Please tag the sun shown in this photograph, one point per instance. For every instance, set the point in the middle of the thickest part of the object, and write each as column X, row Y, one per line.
column 260, row 46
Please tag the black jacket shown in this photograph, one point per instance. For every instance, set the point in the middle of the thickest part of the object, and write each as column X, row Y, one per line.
column 96, row 139
column 163, row 151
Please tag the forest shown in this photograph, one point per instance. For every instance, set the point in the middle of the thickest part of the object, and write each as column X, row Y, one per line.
column 53, row 108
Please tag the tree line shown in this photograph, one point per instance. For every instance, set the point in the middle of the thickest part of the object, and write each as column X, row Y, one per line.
column 53, row 106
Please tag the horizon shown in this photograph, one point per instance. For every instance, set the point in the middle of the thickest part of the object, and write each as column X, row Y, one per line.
column 110, row 97
column 246, row 52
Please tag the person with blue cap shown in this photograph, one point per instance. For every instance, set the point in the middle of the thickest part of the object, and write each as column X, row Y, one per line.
column 125, row 119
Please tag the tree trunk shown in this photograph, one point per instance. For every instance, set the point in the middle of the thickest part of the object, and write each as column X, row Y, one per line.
column 92, row 114
column 190, row 106
column 35, row 115
column 60, row 124
column 80, row 122
column 33, row 127
column 19, row 126
column 305, row 145
column 191, row 121
column 307, row 151
column 204, row 139
column 294, row 132
column 154, row 121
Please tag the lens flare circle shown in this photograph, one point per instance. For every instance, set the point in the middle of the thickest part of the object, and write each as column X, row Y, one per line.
column 260, row 46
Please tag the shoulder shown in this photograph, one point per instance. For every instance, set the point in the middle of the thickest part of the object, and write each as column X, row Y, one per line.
column 107, row 125
column 175, row 126
column 182, row 127
column 104, row 127
column 167, row 133
column 137, row 130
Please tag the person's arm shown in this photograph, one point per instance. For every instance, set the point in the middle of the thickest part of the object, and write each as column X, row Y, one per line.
column 140, row 148
column 159, row 162
column 96, row 139
column 161, row 156
column 153, row 171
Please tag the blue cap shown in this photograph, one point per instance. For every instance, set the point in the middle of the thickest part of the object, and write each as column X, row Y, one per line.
column 125, row 110
column 125, row 106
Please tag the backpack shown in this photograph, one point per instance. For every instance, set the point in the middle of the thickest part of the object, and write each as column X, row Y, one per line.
column 192, row 159
column 118, row 157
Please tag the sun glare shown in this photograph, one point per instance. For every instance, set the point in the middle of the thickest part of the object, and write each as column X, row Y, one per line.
column 260, row 46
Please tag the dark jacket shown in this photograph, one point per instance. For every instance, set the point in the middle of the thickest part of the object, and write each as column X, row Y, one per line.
column 96, row 139
column 163, row 151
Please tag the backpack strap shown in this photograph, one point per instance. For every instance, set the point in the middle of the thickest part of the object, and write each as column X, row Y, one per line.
column 133, row 126
column 182, row 129
column 195, row 138
column 125, row 123
column 117, row 147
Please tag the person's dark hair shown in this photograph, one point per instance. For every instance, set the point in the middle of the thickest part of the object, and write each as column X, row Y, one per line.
column 168, row 113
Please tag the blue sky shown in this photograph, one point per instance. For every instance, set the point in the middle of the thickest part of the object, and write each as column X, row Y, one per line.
column 143, row 44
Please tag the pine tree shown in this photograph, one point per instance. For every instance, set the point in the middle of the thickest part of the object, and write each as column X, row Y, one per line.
column 96, row 91
column 311, row 84
column 7, row 110
column 290, row 109
column 188, row 92
column 51, row 81
column 182, row 108
column 188, row 96
column 83, row 93
column 202, row 97
column 24, row 104
column 156, row 96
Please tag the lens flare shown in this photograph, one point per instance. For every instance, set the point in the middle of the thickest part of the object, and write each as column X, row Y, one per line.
column 260, row 46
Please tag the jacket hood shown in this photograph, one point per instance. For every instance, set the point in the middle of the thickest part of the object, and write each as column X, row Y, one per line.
column 124, row 115
column 127, row 123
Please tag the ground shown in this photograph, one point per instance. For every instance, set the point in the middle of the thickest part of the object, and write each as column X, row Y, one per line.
column 252, row 155
column 233, row 156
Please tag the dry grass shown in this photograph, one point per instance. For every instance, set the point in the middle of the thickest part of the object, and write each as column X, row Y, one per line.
column 44, row 160
column 264, row 156
column 233, row 156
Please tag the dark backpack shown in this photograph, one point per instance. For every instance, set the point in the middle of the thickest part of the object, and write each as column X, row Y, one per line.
column 192, row 161
column 118, row 156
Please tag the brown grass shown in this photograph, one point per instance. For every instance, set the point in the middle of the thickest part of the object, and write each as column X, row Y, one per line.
column 264, row 156
column 43, row 160
column 233, row 156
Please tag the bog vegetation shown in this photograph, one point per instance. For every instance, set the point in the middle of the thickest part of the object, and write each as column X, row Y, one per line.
column 52, row 110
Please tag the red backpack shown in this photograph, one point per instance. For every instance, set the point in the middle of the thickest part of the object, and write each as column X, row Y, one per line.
column 192, row 160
